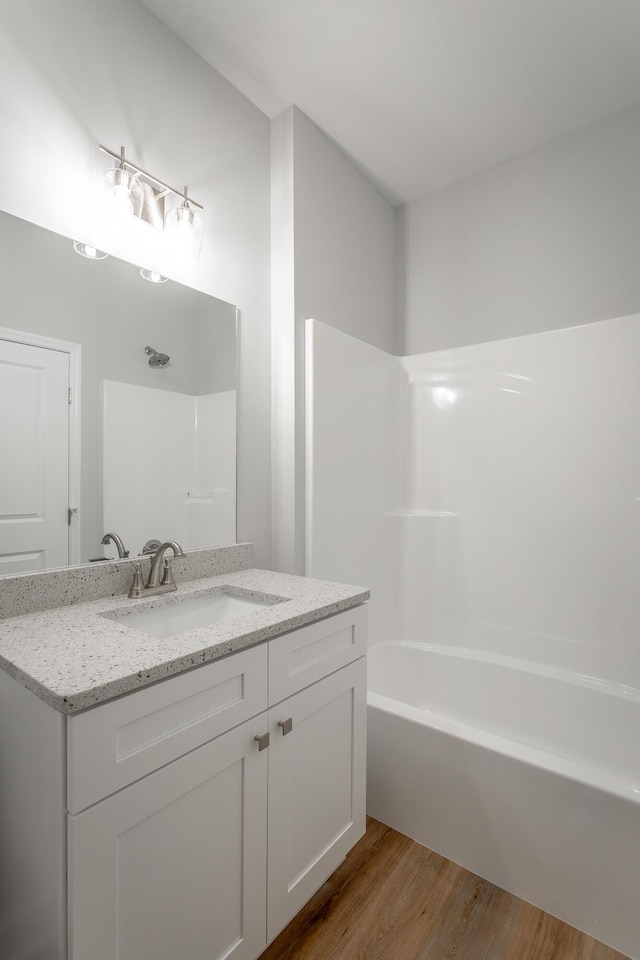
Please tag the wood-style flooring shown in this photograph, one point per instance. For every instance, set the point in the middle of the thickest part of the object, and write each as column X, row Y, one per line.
column 392, row 899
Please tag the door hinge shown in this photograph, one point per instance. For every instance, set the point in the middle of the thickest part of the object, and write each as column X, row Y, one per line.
column 70, row 395
column 71, row 512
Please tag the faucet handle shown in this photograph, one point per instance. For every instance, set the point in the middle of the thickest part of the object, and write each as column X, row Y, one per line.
column 137, row 586
column 150, row 547
column 167, row 575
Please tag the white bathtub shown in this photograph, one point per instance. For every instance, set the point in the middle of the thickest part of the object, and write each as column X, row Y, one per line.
column 526, row 775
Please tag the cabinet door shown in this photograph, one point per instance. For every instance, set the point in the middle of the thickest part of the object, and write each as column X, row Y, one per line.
column 175, row 865
column 316, row 787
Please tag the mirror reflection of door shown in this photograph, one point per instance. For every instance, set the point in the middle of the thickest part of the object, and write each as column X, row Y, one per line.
column 34, row 444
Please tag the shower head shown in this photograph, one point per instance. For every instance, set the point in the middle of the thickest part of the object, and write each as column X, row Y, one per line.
column 156, row 359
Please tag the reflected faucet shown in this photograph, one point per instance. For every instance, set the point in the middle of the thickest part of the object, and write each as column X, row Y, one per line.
column 159, row 564
column 113, row 537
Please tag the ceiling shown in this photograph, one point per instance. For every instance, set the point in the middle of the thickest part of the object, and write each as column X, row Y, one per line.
column 421, row 93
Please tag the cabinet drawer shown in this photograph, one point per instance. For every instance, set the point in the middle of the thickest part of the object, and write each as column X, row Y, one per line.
column 305, row 656
column 119, row 742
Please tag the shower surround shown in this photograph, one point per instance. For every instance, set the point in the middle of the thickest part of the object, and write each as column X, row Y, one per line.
column 180, row 464
column 490, row 497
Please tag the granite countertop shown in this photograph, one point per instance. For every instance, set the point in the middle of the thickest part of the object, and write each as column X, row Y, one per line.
column 74, row 657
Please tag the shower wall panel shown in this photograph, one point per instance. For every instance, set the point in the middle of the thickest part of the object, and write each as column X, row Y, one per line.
column 354, row 449
column 489, row 495
column 525, row 462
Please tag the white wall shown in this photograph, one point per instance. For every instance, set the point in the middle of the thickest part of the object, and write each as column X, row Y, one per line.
column 333, row 259
column 547, row 239
column 81, row 72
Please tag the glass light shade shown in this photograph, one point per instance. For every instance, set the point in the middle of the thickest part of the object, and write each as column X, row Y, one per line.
column 153, row 276
column 88, row 251
column 124, row 192
column 184, row 228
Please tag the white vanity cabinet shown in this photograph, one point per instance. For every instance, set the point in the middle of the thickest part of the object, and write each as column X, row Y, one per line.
column 167, row 823
column 184, row 825
column 317, row 758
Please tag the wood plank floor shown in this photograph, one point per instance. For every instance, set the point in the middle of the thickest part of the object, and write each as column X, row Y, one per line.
column 392, row 899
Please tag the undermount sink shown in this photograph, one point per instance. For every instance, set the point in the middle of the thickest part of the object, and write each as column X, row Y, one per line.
column 190, row 613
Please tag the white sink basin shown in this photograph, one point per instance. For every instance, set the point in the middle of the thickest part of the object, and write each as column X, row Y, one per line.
column 189, row 614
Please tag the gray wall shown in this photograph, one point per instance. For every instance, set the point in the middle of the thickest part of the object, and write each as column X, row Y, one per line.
column 345, row 235
column 333, row 259
column 547, row 239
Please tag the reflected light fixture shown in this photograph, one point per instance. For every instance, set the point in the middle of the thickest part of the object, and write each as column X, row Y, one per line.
column 88, row 250
column 152, row 276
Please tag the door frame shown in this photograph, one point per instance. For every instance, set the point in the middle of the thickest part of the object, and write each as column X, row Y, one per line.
column 74, row 351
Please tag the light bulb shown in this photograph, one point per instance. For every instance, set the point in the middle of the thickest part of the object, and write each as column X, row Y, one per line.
column 123, row 193
column 153, row 276
column 88, row 250
column 185, row 228
column 121, row 200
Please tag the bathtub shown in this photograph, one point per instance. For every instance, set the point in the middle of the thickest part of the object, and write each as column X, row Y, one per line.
column 528, row 776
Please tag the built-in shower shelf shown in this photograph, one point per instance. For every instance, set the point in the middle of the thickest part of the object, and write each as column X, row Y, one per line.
column 421, row 513
column 203, row 496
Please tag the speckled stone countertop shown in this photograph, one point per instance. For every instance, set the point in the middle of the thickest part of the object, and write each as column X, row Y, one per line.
column 74, row 657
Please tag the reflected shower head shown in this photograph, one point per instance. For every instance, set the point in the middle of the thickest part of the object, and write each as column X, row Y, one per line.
column 156, row 359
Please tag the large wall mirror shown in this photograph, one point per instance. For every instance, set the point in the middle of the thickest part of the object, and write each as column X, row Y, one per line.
column 146, row 449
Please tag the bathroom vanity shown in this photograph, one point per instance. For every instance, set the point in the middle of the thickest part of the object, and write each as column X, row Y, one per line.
column 191, row 806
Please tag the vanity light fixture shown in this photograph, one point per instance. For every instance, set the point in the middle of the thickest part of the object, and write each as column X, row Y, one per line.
column 89, row 251
column 135, row 191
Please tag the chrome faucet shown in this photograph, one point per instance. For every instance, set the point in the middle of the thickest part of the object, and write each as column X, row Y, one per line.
column 155, row 584
column 113, row 537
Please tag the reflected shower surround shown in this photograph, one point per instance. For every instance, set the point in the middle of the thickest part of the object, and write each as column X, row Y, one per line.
column 192, row 497
column 489, row 497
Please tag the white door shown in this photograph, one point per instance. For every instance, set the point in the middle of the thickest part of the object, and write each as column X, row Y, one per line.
column 174, row 866
column 317, row 778
column 34, row 458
